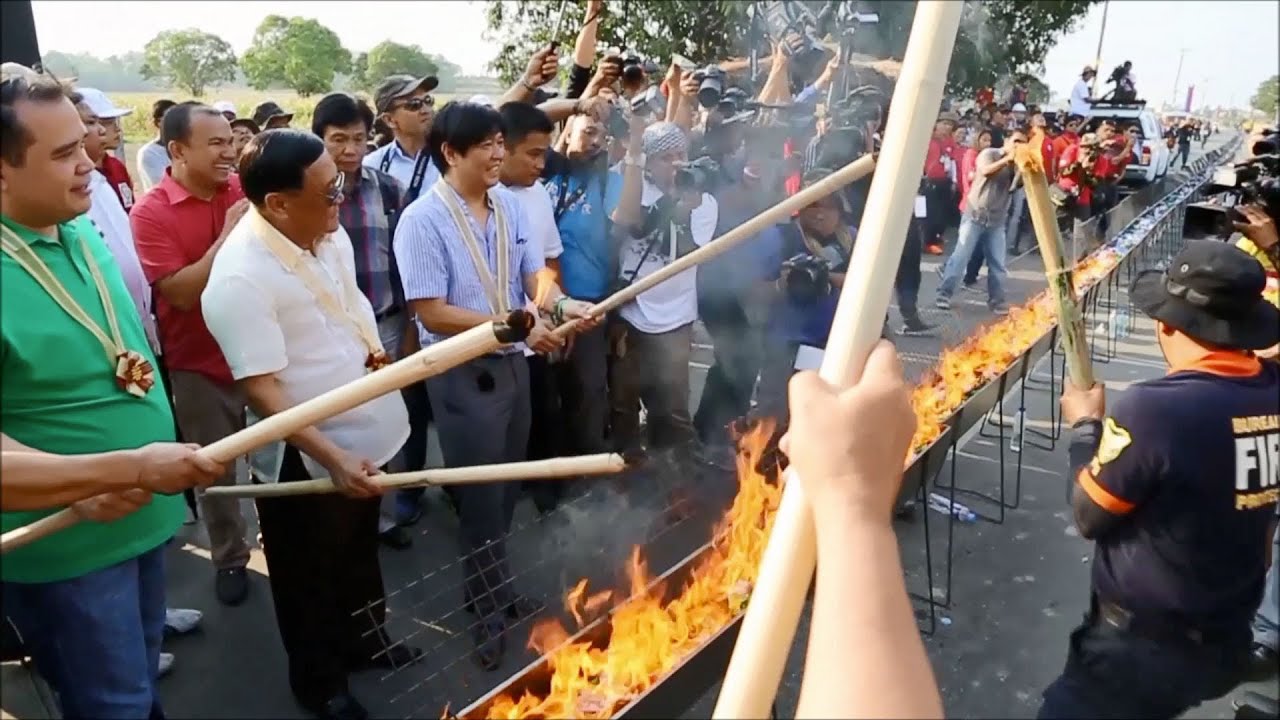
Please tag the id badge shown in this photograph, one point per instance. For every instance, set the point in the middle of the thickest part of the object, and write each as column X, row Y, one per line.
column 921, row 207
column 808, row 358
column 266, row 461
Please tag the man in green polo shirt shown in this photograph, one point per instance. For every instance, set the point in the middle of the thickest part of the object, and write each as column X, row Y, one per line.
column 77, row 377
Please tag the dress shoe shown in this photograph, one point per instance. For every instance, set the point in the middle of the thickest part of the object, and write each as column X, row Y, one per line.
column 389, row 658
column 490, row 638
column 341, row 707
column 231, row 585
column 396, row 537
column 1262, row 663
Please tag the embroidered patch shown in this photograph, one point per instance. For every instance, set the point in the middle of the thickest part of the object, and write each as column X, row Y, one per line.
column 1114, row 440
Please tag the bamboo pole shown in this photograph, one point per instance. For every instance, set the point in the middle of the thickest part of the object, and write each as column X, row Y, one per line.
column 850, row 173
column 1044, row 218
column 787, row 566
column 601, row 464
column 423, row 364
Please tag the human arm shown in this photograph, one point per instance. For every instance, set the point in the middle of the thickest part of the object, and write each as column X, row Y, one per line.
column 987, row 165
column 541, row 69
column 558, row 109
column 628, row 213
column 584, row 51
column 865, row 657
column 178, row 282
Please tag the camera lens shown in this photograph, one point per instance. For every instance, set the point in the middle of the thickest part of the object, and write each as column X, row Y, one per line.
column 709, row 90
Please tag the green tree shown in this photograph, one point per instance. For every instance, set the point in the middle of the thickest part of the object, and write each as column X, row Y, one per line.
column 1267, row 98
column 190, row 59
column 298, row 53
column 392, row 58
column 996, row 38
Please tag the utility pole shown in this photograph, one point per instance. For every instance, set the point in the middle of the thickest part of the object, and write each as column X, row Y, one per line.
column 1097, row 56
column 1182, row 54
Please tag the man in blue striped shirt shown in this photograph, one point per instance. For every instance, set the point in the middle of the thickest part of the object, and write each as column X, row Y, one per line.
column 465, row 258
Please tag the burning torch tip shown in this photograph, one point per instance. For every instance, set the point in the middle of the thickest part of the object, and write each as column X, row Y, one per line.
column 515, row 327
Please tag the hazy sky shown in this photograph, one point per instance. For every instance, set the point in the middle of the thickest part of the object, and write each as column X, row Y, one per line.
column 1230, row 46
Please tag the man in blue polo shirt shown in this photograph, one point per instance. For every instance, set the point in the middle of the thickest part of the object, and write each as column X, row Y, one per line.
column 1176, row 483
column 465, row 259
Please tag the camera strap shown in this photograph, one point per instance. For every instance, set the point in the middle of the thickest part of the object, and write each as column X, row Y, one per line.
column 419, row 174
column 565, row 198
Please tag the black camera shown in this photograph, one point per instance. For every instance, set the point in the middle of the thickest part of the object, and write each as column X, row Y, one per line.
column 697, row 175
column 710, row 85
column 618, row 124
column 806, row 278
column 1254, row 181
column 650, row 103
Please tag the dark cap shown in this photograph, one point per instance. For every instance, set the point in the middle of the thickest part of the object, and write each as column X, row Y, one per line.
column 399, row 86
column 246, row 122
column 1212, row 292
column 267, row 111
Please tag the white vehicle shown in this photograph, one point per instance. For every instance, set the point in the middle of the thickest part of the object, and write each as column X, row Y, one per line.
column 1151, row 154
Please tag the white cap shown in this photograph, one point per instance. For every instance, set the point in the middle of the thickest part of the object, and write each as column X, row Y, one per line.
column 481, row 100
column 100, row 104
column 225, row 106
column 1019, row 107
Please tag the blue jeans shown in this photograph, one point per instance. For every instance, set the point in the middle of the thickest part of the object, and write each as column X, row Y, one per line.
column 96, row 638
column 972, row 235
column 1266, row 624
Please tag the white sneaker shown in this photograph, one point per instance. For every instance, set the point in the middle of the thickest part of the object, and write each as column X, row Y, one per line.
column 165, row 665
column 181, row 620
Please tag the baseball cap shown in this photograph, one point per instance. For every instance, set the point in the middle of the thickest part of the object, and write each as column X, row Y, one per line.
column 398, row 86
column 267, row 111
column 1019, row 107
column 13, row 71
column 1211, row 292
column 225, row 106
column 100, row 104
column 481, row 100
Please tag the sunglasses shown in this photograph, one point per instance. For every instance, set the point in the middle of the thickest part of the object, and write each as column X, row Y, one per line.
column 334, row 193
column 416, row 104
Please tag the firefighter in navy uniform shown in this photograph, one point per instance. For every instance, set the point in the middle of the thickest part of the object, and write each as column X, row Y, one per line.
column 1177, row 486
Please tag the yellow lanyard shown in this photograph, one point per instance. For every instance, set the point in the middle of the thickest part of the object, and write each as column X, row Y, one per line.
column 498, row 291
column 134, row 373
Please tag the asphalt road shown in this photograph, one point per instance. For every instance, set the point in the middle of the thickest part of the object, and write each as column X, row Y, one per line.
column 1017, row 588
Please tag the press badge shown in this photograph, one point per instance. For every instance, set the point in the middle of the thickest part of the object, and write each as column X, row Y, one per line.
column 266, row 461
column 808, row 358
column 921, row 206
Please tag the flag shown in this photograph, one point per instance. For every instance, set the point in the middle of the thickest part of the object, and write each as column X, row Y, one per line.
column 1191, row 92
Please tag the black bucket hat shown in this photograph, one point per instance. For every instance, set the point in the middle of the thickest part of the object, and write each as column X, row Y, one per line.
column 1211, row 292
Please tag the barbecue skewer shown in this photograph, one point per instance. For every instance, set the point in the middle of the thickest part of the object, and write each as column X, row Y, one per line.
column 425, row 363
column 850, row 173
column 553, row 468
column 1061, row 289
column 789, row 560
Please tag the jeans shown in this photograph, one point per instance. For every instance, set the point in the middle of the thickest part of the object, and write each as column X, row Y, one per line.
column 96, row 638
column 650, row 368
column 1266, row 623
column 972, row 235
column 976, row 261
column 726, row 394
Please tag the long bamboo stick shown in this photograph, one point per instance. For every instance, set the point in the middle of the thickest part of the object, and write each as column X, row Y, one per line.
column 1056, row 268
column 786, row 569
column 601, row 464
column 423, row 364
column 850, row 173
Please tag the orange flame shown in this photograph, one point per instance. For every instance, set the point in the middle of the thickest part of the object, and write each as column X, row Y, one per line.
column 1027, row 155
column 546, row 279
column 650, row 636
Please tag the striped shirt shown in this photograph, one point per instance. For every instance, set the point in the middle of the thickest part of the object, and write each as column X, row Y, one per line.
column 363, row 214
column 434, row 262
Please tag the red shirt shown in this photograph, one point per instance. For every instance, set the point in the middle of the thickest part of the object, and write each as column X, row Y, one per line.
column 1064, row 141
column 1047, row 156
column 938, row 149
column 1076, row 178
column 171, row 230
column 117, row 176
column 968, row 167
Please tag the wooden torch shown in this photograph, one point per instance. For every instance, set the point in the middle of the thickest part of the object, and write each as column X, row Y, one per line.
column 1044, row 217
column 786, row 569
column 423, row 364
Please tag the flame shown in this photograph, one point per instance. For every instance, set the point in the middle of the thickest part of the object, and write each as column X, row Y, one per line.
column 546, row 279
column 1027, row 155
column 650, row 636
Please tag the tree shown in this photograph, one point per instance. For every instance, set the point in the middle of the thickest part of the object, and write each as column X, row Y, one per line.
column 190, row 59
column 298, row 53
column 997, row 37
column 392, row 58
column 1267, row 98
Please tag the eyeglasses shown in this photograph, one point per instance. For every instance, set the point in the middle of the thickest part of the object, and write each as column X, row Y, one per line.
column 416, row 104
column 334, row 193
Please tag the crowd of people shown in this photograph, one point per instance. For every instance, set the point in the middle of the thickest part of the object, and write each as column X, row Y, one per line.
column 263, row 265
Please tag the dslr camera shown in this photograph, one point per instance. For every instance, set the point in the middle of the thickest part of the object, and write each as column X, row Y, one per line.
column 698, row 175
column 710, row 85
column 806, row 278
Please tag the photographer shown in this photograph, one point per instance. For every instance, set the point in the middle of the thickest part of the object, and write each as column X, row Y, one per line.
column 651, row 337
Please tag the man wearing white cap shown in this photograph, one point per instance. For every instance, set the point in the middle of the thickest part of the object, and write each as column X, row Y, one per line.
column 110, row 166
column 227, row 108
column 1080, row 101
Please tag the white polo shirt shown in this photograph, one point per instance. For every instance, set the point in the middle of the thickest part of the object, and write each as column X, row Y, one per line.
column 266, row 320
column 112, row 221
column 673, row 303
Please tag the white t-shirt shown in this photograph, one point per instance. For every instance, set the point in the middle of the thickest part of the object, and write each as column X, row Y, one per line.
column 266, row 320
column 673, row 303
column 112, row 221
column 1080, row 98
column 535, row 201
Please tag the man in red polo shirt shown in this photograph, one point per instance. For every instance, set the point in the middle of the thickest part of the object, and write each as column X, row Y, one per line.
column 1069, row 136
column 938, row 192
column 1076, row 174
column 178, row 228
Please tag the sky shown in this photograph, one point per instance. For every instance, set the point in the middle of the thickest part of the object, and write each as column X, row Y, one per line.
column 1230, row 47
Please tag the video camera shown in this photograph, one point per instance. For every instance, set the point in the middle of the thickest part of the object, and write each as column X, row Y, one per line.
column 1254, row 181
column 846, row 137
column 698, row 175
column 710, row 85
column 806, row 278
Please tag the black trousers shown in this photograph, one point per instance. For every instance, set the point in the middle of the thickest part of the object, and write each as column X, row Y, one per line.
column 726, row 393
column 940, row 208
column 1113, row 673
column 906, row 282
column 326, row 583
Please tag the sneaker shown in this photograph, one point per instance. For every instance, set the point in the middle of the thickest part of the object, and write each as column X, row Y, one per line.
column 165, row 665
column 942, row 303
column 180, row 621
column 913, row 325
column 1000, row 309
column 934, row 249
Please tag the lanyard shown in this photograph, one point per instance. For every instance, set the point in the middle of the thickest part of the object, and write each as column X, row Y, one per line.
column 496, row 291
column 419, row 170
column 287, row 254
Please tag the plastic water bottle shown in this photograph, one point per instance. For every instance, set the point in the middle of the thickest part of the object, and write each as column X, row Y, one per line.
column 1125, row 321
column 1015, row 441
column 944, row 505
column 1112, row 331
